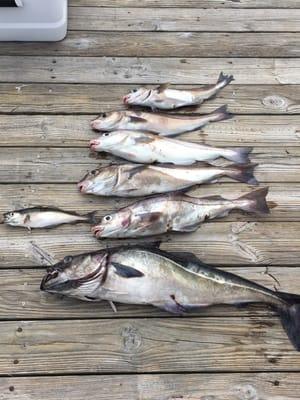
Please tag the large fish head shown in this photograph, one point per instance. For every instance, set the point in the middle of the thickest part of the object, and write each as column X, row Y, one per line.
column 113, row 225
column 107, row 121
column 14, row 218
column 112, row 140
column 99, row 181
column 77, row 276
column 136, row 96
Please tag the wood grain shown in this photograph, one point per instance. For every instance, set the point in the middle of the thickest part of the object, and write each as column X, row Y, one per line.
column 225, row 386
column 66, row 196
column 51, row 165
column 21, row 298
column 145, row 345
column 219, row 243
column 72, row 99
column 141, row 70
column 75, row 131
column 163, row 44
column 188, row 3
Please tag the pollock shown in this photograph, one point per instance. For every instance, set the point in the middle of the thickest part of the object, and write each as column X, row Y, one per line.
column 132, row 180
column 165, row 98
column 174, row 212
column 162, row 124
column 45, row 217
column 147, row 148
column 175, row 282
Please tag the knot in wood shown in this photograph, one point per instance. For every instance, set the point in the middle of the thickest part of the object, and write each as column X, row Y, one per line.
column 246, row 392
column 275, row 102
column 132, row 339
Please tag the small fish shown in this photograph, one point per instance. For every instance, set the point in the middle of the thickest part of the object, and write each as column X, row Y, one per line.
column 45, row 217
column 131, row 180
column 165, row 98
column 174, row 212
column 175, row 282
column 147, row 148
column 162, row 124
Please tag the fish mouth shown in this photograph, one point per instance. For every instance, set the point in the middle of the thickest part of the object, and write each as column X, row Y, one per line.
column 126, row 99
column 94, row 125
column 97, row 231
column 81, row 187
column 94, row 144
column 44, row 287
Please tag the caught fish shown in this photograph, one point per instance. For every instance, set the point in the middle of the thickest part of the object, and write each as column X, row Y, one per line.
column 175, row 282
column 147, row 148
column 165, row 98
column 174, row 212
column 163, row 124
column 45, row 217
column 131, row 180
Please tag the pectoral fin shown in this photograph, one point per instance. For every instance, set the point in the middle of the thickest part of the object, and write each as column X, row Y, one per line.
column 162, row 87
column 126, row 272
column 133, row 118
column 149, row 217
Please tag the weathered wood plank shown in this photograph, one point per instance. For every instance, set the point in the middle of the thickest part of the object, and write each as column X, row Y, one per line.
column 21, row 298
column 188, row 3
column 145, row 345
column 163, row 44
column 74, row 131
column 54, row 98
column 225, row 386
column 219, row 243
column 183, row 19
column 54, row 165
column 66, row 196
column 148, row 70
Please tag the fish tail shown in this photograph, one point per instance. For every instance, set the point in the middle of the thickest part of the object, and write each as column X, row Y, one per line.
column 289, row 314
column 242, row 173
column 91, row 217
column 224, row 80
column 255, row 201
column 239, row 155
column 220, row 114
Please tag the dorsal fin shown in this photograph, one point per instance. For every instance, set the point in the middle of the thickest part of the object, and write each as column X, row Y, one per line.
column 162, row 87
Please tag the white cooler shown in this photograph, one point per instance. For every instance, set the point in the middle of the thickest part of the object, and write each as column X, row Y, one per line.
column 33, row 20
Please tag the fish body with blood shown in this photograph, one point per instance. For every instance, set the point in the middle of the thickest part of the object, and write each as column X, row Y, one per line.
column 45, row 217
column 174, row 212
column 175, row 282
column 162, row 124
column 147, row 148
column 132, row 180
column 165, row 98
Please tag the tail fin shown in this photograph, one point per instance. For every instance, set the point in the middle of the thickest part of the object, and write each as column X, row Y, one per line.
column 224, row 80
column 239, row 155
column 290, row 317
column 242, row 173
column 256, row 201
column 91, row 217
column 220, row 114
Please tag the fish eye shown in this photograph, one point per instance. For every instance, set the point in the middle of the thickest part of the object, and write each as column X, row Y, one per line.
column 68, row 259
column 104, row 115
column 106, row 134
column 134, row 90
column 94, row 172
column 108, row 218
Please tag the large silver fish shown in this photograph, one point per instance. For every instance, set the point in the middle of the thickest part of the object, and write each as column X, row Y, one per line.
column 131, row 180
column 163, row 124
column 175, row 282
column 174, row 212
column 165, row 98
column 147, row 148
column 45, row 217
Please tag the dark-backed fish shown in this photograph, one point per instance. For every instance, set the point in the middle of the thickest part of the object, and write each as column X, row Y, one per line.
column 165, row 98
column 174, row 212
column 45, row 217
column 131, row 180
column 147, row 148
column 175, row 282
column 163, row 124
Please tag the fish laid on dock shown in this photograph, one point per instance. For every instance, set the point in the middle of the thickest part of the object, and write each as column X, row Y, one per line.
column 174, row 212
column 131, row 180
column 162, row 124
column 45, row 217
column 165, row 98
column 175, row 282
column 147, row 148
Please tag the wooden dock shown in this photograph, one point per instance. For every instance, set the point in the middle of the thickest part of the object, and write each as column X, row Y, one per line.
column 55, row 348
